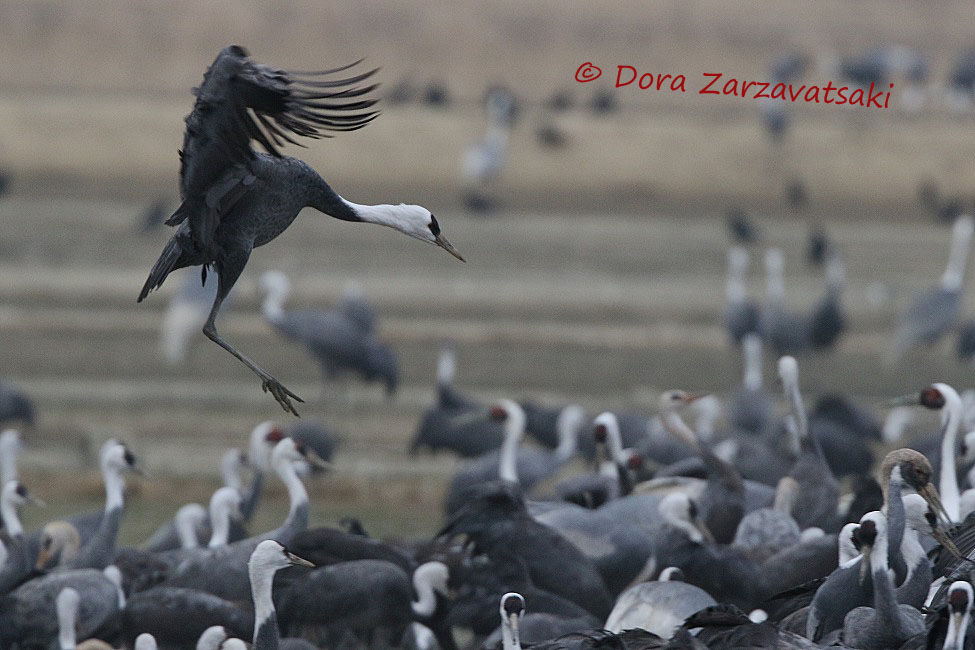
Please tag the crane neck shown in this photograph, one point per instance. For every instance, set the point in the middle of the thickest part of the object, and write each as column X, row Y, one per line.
column 893, row 508
column 266, row 635
column 426, row 602
column 9, row 448
column 950, row 424
column 114, row 576
column 785, row 495
column 675, row 424
column 67, row 616
column 799, row 429
column 297, row 495
column 569, row 423
column 514, row 429
column 230, row 469
column 446, row 367
column 884, row 597
column 114, row 488
column 961, row 238
column 774, row 281
column 220, row 523
column 185, row 522
column 614, row 441
column 8, row 511
column 735, row 283
column 911, row 550
column 751, row 346
column 273, row 305
column 324, row 199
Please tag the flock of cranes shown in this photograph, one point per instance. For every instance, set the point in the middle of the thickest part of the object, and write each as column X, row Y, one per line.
column 700, row 551
column 758, row 525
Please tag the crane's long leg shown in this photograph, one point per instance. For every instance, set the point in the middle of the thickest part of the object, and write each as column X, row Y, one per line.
column 227, row 275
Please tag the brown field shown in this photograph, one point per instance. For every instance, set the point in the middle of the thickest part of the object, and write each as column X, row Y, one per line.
column 600, row 282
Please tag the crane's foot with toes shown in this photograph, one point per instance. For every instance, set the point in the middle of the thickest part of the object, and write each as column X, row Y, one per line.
column 281, row 394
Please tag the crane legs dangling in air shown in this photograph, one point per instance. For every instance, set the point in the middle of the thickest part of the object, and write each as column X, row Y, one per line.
column 226, row 277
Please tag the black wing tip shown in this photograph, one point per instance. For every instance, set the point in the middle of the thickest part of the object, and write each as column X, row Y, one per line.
column 319, row 73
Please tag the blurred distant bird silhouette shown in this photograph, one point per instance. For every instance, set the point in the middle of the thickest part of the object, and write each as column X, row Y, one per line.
column 15, row 404
column 934, row 310
column 341, row 340
column 741, row 228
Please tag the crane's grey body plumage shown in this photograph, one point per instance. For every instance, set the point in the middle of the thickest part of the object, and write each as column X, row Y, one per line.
column 178, row 616
column 658, row 607
column 26, row 613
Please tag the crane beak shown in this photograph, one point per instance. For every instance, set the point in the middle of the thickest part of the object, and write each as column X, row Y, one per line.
column 693, row 397
column 904, row 400
column 703, row 529
column 480, row 415
column 298, row 561
column 930, row 494
column 317, row 461
column 34, row 501
column 442, row 242
column 43, row 559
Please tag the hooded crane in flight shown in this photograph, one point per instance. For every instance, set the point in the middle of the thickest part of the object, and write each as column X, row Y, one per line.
column 235, row 198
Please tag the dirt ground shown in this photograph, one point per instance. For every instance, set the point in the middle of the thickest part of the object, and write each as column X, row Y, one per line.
column 600, row 280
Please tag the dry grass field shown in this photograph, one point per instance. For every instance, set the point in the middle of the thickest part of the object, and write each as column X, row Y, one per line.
column 599, row 282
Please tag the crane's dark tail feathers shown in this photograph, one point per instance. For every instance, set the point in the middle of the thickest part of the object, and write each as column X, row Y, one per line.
column 169, row 261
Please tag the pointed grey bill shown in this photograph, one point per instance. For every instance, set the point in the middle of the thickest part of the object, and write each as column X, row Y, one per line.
column 442, row 242
column 297, row 561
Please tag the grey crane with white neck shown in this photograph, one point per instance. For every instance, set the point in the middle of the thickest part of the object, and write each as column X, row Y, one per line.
column 99, row 551
column 336, row 340
column 235, row 199
column 267, row 558
column 816, row 500
column 934, row 310
column 525, row 467
column 887, row 624
column 17, row 563
column 27, row 613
